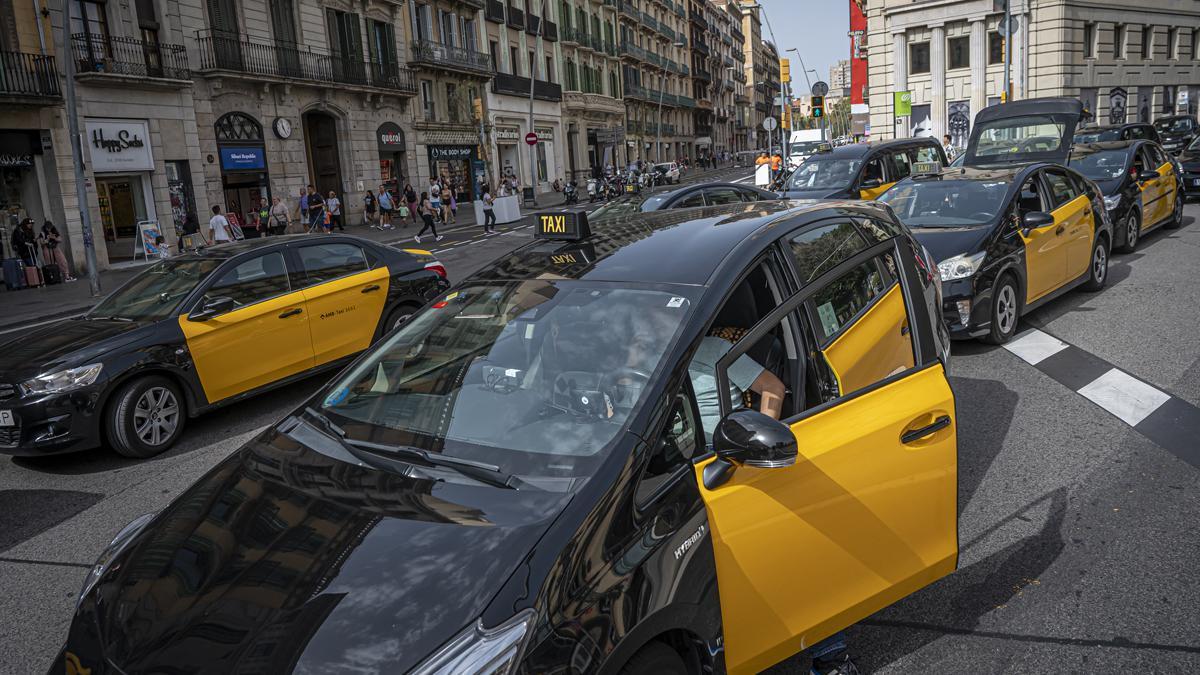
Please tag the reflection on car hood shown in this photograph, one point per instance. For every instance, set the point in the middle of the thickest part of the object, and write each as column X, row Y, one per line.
column 1190, row 159
column 946, row 242
column 65, row 343
column 284, row 559
column 1110, row 186
column 819, row 193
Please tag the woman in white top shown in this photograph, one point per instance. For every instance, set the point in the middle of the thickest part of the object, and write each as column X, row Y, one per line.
column 218, row 227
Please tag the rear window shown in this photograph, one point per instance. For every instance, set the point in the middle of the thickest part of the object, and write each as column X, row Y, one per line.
column 1019, row 136
column 1098, row 136
column 1102, row 164
column 325, row 262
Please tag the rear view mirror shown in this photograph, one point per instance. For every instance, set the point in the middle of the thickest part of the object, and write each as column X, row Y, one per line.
column 751, row 438
column 1035, row 219
column 1148, row 174
column 211, row 307
column 870, row 183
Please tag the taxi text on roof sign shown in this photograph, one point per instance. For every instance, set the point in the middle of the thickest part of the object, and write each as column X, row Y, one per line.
column 564, row 225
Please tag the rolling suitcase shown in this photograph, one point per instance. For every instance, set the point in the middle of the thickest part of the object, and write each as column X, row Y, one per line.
column 14, row 277
column 51, row 274
column 33, row 276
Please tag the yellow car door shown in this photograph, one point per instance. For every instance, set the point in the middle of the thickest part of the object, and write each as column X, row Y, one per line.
column 1045, row 248
column 1167, row 186
column 345, row 296
column 865, row 516
column 874, row 171
column 258, row 334
column 1076, row 222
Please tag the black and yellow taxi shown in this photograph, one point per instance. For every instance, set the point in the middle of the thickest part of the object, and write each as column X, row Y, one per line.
column 1126, row 131
column 859, row 170
column 690, row 196
column 1013, row 228
column 201, row 330
column 536, row 474
column 1140, row 186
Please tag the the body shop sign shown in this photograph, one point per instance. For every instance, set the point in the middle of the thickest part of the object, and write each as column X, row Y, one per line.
column 119, row 145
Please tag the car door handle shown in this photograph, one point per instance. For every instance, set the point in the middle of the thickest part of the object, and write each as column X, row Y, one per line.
column 291, row 312
column 1060, row 229
column 371, row 289
column 913, row 435
column 904, row 330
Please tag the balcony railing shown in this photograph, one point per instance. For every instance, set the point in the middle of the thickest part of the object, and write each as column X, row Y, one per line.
column 435, row 54
column 513, row 85
column 698, row 19
column 610, row 47
column 494, row 11
column 125, row 56
column 233, row 52
column 516, row 18
column 701, row 48
column 627, row 9
column 702, row 74
column 633, row 50
column 28, row 75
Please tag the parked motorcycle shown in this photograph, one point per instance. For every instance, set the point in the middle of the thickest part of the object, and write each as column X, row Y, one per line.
column 570, row 195
column 593, row 188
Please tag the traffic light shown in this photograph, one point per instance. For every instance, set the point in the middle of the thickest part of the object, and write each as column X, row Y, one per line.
column 818, row 107
column 785, row 71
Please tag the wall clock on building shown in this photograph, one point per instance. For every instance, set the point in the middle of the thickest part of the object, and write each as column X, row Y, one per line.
column 283, row 128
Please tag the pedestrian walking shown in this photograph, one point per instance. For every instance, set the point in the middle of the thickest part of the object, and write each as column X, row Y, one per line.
column 435, row 198
column 219, row 229
column 302, row 209
column 386, row 208
column 427, row 211
column 410, row 198
column 369, row 208
column 447, row 198
column 52, row 250
column 334, row 206
column 262, row 218
column 489, row 213
column 279, row 218
column 316, row 209
column 948, row 146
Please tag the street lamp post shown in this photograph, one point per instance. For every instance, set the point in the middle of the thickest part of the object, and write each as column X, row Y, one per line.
column 658, row 126
column 537, row 53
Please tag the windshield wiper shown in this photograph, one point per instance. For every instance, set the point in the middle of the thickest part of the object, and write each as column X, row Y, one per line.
column 488, row 474
column 100, row 317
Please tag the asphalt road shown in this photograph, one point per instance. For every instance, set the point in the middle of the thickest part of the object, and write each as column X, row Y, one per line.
column 1078, row 534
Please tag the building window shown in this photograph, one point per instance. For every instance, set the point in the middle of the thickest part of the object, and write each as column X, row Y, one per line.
column 1118, row 41
column 959, row 49
column 90, row 18
column 494, row 50
column 918, row 58
column 514, row 64
column 423, row 22
column 613, row 91
column 427, row 99
column 1147, row 41
column 468, row 34
column 995, row 48
column 549, row 76
column 1089, row 40
column 1173, row 43
column 543, row 172
column 452, row 102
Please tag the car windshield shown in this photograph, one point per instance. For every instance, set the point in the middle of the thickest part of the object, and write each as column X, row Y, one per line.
column 823, row 173
column 946, row 203
column 1174, row 126
column 805, row 147
column 1101, row 164
column 630, row 204
column 537, row 377
column 1097, row 135
column 155, row 293
column 1019, row 135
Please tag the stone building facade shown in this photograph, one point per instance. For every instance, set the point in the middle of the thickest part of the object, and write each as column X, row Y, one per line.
column 592, row 110
column 656, row 79
column 950, row 54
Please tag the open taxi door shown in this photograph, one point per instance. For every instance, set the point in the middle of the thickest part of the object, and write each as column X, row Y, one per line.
column 1024, row 132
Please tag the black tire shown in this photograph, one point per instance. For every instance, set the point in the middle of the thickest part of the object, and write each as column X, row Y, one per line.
column 1177, row 215
column 398, row 316
column 1131, row 227
column 145, row 417
column 1006, row 311
column 655, row 659
column 1098, row 267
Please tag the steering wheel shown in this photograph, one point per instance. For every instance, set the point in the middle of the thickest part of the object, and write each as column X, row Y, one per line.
column 610, row 383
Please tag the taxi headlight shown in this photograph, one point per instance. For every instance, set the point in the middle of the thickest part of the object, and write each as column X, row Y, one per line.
column 110, row 552
column 1112, row 201
column 960, row 266
column 63, row 380
column 481, row 651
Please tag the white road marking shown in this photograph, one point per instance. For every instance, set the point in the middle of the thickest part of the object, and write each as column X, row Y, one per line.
column 1125, row 396
column 1035, row 346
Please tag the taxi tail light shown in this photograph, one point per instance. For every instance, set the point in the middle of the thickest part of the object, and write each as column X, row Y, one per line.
column 438, row 268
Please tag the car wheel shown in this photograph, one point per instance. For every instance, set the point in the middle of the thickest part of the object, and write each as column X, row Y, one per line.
column 1177, row 215
column 399, row 317
column 653, row 659
column 146, row 417
column 1131, row 227
column 1098, row 269
column 1006, row 311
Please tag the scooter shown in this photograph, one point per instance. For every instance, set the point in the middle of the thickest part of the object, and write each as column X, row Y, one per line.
column 569, row 193
column 593, row 188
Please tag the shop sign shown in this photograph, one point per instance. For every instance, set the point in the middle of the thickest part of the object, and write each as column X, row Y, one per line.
column 243, row 159
column 9, row 160
column 610, row 135
column 17, row 148
column 450, row 151
column 390, row 137
column 544, row 133
column 512, row 134
column 119, row 145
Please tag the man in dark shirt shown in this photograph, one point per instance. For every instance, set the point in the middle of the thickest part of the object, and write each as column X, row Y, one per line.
column 316, row 209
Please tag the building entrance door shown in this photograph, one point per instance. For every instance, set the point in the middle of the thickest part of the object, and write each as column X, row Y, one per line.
column 122, row 205
column 324, row 164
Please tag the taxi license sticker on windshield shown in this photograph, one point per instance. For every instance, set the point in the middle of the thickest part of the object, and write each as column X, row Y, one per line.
column 337, row 397
column 676, row 302
column 829, row 320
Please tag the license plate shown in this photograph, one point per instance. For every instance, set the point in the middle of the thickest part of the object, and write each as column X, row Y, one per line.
column 6, row 419
column 629, row 188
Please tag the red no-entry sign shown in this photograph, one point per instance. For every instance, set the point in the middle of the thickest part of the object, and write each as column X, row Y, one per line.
column 531, row 138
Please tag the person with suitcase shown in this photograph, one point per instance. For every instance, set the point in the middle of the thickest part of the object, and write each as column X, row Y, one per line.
column 53, row 256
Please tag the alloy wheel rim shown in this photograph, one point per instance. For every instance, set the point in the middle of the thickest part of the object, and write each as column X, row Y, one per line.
column 1099, row 264
column 1132, row 231
column 155, row 416
column 1006, row 308
column 401, row 320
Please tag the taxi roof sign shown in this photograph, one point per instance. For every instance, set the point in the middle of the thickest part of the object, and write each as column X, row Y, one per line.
column 825, row 147
column 562, row 226
column 926, row 168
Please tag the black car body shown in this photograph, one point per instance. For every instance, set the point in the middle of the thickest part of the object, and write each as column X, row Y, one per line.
column 1128, row 131
column 687, row 196
column 860, row 170
column 1176, row 132
column 1188, row 165
column 1141, row 188
column 329, row 543
column 1013, row 228
column 231, row 321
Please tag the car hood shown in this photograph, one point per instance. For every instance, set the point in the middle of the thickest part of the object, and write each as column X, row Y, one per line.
column 1190, row 159
column 1174, row 137
column 944, row 243
column 65, row 344
column 283, row 559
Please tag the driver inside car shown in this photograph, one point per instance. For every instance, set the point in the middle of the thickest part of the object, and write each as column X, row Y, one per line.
column 745, row 374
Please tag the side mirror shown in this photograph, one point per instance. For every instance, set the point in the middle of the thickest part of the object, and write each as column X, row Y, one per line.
column 870, row 183
column 751, row 438
column 1035, row 219
column 1148, row 174
column 212, row 307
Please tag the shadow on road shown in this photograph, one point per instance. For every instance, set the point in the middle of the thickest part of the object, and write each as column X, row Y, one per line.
column 27, row 513
column 985, row 411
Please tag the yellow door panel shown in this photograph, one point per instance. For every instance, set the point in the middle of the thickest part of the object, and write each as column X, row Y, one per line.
column 1150, row 192
column 1165, row 205
column 873, row 193
column 1079, row 234
column 345, row 312
column 860, row 521
column 1046, row 256
column 874, row 346
column 251, row 346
